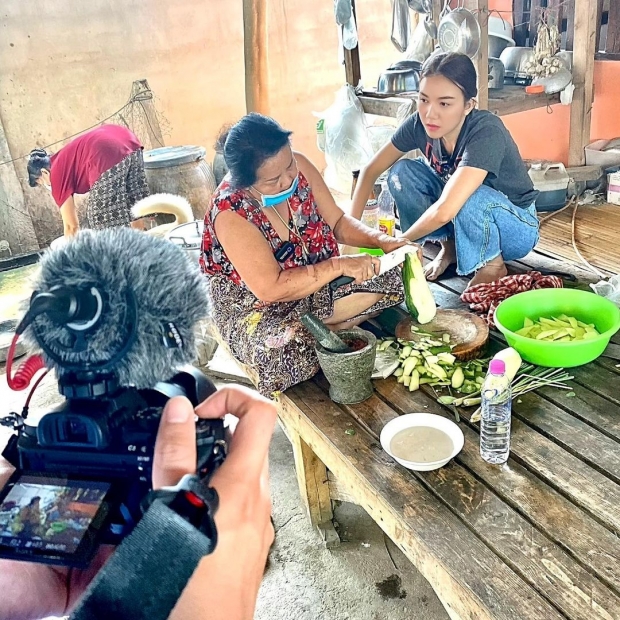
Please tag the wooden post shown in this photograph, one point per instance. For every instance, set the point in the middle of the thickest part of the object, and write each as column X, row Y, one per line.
column 481, row 60
column 586, row 24
column 255, row 53
column 352, row 67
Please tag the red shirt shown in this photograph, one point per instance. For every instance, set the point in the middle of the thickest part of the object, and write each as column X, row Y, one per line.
column 76, row 167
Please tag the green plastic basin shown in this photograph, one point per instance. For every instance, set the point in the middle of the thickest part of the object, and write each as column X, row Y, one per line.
column 371, row 251
column 549, row 303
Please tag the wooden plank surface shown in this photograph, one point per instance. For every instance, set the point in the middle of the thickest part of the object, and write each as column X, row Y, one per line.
column 384, row 106
column 585, row 484
column 514, row 99
column 462, row 570
column 596, row 231
column 551, row 514
column 561, row 525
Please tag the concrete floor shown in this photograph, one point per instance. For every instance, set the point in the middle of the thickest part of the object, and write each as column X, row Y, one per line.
column 356, row 581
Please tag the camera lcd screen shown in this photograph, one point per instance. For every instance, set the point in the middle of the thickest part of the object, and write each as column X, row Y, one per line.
column 52, row 519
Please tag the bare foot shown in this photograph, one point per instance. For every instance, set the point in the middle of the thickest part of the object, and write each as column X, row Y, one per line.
column 445, row 258
column 493, row 270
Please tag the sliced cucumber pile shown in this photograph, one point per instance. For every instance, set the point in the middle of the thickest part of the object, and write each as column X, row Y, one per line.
column 558, row 329
column 428, row 361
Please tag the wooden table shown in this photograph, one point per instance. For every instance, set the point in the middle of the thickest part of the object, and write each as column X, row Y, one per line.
column 536, row 538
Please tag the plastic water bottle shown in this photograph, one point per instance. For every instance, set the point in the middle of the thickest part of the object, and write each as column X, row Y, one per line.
column 387, row 220
column 370, row 216
column 495, row 417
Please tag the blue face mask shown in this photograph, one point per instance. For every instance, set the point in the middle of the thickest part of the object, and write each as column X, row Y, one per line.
column 275, row 199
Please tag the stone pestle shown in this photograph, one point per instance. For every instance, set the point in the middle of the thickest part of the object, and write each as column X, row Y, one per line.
column 325, row 337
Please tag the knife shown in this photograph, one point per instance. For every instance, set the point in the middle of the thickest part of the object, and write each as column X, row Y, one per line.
column 388, row 261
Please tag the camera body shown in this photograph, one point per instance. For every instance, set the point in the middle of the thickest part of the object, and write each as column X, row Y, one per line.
column 85, row 468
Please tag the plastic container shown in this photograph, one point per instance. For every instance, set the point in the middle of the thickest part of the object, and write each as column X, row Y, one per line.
column 597, row 156
column 551, row 180
column 496, row 413
column 551, row 302
column 613, row 185
column 181, row 170
column 370, row 216
column 387, row 219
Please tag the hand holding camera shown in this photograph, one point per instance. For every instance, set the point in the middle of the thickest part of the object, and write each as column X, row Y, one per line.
column 226, row 582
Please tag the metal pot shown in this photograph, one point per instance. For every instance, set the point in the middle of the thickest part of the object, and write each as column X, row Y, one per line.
column 496, row 74
column 497, row 44
column 514, row 60
column 401, row 77
column 459, row 31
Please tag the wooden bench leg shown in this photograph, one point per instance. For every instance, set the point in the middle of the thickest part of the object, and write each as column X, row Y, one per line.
column 449, row 610
column 314, row 489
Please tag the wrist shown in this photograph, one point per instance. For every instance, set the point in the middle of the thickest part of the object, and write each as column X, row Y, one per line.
column 336, row 265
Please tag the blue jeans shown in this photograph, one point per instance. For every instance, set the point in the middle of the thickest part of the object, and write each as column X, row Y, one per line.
column 487, row 225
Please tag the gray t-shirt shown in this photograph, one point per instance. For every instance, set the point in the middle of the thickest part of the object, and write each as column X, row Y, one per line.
column 485, row 143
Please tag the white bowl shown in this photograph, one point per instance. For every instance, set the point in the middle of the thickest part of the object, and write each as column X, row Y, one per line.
column 422, row 419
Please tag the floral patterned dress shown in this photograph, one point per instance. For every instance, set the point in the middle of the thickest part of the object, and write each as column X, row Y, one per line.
column 270, row 337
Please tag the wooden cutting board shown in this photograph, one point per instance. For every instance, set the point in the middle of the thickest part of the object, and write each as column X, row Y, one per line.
column 467, row 331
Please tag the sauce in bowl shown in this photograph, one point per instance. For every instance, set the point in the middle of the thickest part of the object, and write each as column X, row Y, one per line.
column 422, row 444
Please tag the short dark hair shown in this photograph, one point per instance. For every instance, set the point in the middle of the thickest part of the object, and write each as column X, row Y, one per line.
column 248, row 144
column 37, row 160
column 458, row 68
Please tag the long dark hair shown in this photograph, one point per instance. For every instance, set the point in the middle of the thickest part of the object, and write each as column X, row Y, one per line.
column 37, row 160
column 458, row 68
column 248, row 144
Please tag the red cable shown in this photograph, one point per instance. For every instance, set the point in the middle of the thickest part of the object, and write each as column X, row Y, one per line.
column 32, row 391
column 25, row 372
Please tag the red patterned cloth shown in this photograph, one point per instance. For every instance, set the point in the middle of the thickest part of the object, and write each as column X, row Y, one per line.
column 483, row 299
column 314, row 231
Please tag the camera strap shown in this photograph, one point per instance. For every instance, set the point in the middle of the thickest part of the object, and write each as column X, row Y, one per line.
column 151, row 567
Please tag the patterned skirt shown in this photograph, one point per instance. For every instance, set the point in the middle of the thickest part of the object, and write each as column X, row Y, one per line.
column 271, row 338
column 116, row 191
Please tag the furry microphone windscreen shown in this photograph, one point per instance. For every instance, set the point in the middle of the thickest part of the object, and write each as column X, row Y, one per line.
column 171, row 296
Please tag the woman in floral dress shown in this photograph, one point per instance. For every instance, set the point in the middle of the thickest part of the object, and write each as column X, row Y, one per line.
column 270, row 251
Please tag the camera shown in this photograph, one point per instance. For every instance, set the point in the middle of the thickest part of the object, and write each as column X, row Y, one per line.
column 83, row 471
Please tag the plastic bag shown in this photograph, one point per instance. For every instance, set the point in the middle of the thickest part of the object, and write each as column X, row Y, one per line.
column 610, row 289
column 342, row 11
column 401, row 24
column 421, row 45
column 346, row 139
column 349, row 34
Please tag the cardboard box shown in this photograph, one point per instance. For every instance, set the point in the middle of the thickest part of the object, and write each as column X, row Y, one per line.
column 595, row 156
column 613, row 187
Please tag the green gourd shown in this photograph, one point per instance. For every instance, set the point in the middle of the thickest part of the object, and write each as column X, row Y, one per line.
column 418, row 297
